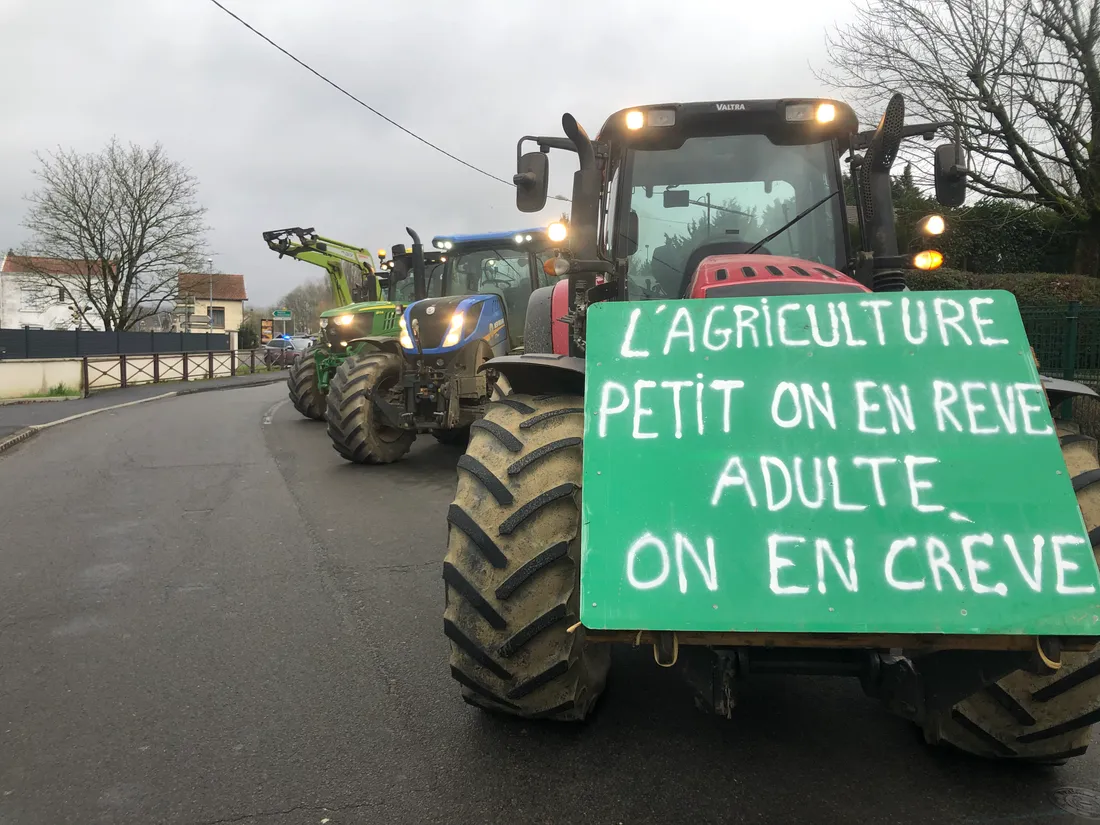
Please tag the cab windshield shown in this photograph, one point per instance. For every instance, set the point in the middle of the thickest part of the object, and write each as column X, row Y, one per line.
column 497, row 271
column 720, row 195
column 405, row 291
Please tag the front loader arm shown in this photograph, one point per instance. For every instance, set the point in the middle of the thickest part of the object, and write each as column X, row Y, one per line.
column 327, row 253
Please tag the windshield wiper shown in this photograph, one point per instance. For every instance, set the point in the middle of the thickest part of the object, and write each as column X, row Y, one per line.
column 790, row 223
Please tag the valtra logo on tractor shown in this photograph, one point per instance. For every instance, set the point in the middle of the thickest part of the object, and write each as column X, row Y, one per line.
column 791, row 463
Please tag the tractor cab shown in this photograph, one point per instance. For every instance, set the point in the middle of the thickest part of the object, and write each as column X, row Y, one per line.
column 728, row 198
column 402, row 283
column 704, row 204
column 508, row 265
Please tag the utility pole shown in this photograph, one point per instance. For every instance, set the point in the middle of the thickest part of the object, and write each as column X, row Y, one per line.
column 210, row 302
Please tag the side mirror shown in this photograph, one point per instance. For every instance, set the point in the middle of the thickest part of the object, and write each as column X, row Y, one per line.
column 532, row 180
column 630, row 236
column 676, row 197
column 950, row 174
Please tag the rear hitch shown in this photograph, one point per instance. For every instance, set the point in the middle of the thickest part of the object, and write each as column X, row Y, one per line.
column 395, row 416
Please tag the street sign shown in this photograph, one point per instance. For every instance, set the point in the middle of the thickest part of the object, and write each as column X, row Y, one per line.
column 267, row 330
column 281, row 314
column 878, row 463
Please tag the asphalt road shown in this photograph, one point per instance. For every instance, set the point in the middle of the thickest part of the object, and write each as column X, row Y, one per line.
column 206, row 616
column 14, row 417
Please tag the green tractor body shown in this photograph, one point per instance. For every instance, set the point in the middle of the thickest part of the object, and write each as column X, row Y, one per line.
column 345, row 331
column 736, row 440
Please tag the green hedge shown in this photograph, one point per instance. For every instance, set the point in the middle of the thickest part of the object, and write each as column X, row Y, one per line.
column 1030, row 289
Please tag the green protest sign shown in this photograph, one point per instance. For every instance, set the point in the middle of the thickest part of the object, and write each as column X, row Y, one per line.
column 881, row 463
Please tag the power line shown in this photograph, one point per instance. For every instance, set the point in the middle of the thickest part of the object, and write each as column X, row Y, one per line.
column 344, row 91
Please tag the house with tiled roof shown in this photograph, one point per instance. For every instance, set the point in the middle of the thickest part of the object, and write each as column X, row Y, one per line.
column 32, row 293
column 219, row 293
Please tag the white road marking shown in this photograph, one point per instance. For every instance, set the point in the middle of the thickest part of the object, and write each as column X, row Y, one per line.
column 102, row 409
column 274, row 408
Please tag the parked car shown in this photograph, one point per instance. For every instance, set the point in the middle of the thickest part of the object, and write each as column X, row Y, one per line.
column 283, row 352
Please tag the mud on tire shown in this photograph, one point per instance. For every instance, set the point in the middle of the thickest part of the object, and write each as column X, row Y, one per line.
column 304, row 393
column 512, row 568
column 356, row 428
column 1041, row 718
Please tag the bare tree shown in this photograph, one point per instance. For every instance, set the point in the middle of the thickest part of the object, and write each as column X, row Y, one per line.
column 116, row 226
column 1019, row 78
column 306, row 302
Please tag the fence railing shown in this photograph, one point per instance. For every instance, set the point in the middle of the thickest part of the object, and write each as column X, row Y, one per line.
column 52, row 343
column 100, row 372
column 1066, row 340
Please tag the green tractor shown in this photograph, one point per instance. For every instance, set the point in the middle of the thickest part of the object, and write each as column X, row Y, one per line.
column 775, row 458
column 360, row 311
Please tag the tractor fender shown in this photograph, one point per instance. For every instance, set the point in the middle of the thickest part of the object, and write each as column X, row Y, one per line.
column 1059, row 390
column 472, row 356
column 539, row 322
column 540, row 372
column 379, row 344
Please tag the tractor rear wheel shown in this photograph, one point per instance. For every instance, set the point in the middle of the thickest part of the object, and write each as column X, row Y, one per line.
column 1046, row 719
column 304, row 392
column 358, row 431
column 512, row 568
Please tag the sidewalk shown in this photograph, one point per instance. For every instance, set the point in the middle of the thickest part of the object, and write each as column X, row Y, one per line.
column 14, row 417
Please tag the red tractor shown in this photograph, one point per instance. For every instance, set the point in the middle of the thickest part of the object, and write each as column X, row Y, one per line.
column 733, row 200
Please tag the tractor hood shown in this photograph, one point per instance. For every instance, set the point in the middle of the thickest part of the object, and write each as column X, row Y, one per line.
column 481, row 317
column 362, row 306
column 732, row 275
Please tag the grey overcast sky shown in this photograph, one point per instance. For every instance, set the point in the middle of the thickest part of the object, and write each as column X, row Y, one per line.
column 273, row 146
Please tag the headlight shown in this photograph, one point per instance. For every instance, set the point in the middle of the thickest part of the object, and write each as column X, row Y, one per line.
column 637, row 119
column 404, row 339
column 802, row 112
column 344, row 320
column 556, row 232
column 454, row 331
column 932, row 225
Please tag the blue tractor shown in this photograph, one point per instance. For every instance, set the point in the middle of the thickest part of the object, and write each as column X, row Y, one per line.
column 428, row 379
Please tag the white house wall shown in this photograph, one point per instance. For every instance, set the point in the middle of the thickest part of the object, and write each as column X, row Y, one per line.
column 56, row 315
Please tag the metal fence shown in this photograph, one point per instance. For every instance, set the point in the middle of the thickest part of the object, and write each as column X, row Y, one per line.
column 54, row 343
column 100, row 372
column 1067, row 342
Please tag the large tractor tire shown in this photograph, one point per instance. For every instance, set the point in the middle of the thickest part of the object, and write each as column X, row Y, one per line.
column 358, row 431
column 512, row 569
column 1045, row 719
column 304, row 392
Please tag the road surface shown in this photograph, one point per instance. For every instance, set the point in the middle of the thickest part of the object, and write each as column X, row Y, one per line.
column 206, row 616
